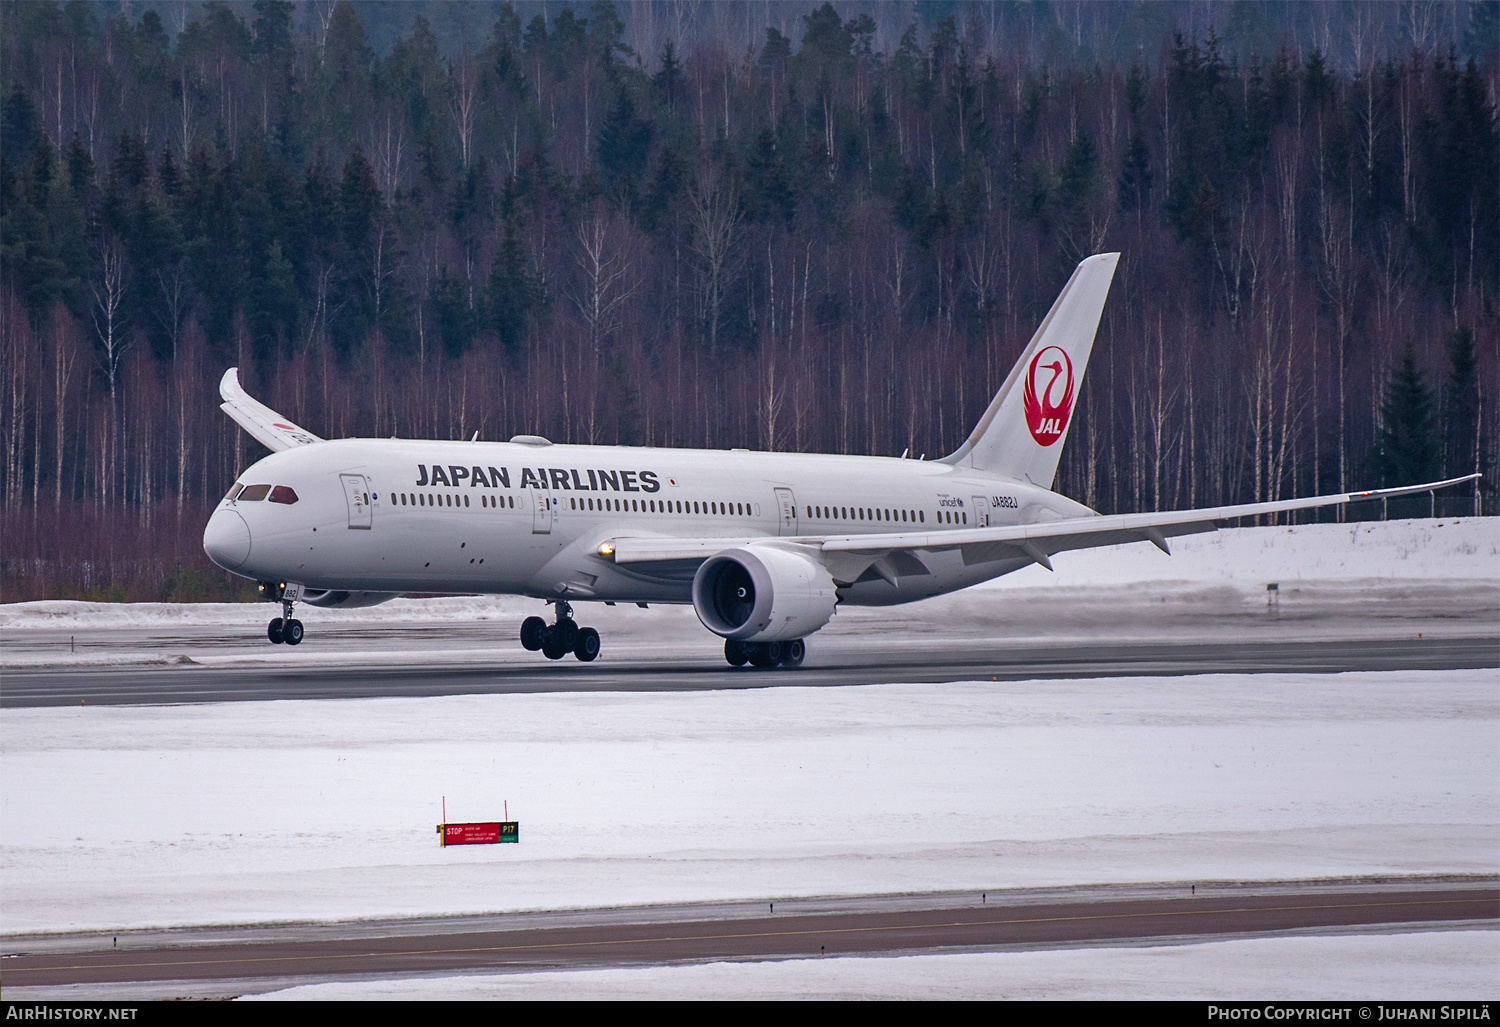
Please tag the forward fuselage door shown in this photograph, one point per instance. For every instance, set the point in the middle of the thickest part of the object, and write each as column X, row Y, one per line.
column 357, row 495
column 541, row 512
column 981, row 511
column 788, row 507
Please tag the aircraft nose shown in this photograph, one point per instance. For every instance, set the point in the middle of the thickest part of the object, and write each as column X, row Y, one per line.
column 226, row 539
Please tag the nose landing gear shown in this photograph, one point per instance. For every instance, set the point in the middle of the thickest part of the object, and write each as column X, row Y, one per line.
column 765, row 654
column 285, row 628
column 561, row 637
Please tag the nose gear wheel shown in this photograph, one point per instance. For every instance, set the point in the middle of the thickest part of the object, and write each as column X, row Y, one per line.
column 285, row 628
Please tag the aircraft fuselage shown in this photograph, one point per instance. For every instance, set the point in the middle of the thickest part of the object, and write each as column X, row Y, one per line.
column 392, row 515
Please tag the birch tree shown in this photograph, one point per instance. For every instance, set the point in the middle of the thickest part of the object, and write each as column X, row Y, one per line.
column 108, row 290
column 716, row 216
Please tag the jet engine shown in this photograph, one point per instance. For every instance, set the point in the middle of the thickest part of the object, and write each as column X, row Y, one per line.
column 345, row 600
column 763, row 593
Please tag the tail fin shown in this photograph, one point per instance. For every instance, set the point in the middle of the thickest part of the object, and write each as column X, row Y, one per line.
column 1022, row 431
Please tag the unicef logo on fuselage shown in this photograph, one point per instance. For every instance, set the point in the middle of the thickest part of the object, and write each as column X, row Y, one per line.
column 1048, row 395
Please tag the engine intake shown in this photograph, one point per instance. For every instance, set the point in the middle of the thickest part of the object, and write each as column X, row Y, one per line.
column 763, row 593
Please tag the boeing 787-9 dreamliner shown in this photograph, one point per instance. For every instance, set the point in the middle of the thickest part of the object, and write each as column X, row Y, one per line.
column 765, row 546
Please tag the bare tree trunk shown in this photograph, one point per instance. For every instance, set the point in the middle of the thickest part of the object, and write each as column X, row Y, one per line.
column 772, row 397
column 109, row 294
column 716, row 216
column 463, row 100
column 1408, row 121
column 387, row 146
column 185, row 114
column 181, row 383
column 1161, row 401
column 64, row 357
column 18, row 345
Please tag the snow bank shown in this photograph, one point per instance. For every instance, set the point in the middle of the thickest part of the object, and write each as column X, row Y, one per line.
column 1449, row 549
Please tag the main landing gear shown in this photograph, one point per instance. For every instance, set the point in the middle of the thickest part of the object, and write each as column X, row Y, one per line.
column 765, row 654
column 285, row 628
column 561, row 637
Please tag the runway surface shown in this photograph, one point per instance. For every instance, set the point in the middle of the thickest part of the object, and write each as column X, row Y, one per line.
column 210, row 963
column 450, row 673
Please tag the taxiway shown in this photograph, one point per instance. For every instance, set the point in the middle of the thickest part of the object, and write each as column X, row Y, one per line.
column 220, row 963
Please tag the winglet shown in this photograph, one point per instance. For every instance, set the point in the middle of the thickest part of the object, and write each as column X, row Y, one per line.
column 1411, row 490
column 262, row 423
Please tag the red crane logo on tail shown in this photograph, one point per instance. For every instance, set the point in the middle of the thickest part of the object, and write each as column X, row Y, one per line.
column 1048, row 395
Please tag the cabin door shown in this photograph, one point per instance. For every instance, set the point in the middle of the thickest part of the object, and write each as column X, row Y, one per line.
column 541, row 512
column 357, row 495
column 788, row 508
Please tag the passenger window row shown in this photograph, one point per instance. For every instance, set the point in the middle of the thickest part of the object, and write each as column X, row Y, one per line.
column 452, row 499
column 682, row 506
column 857, row 513
column 255, row 493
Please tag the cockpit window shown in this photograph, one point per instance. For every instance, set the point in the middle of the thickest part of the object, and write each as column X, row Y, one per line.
column 283, row 494
column 234, row 490
column 253, row 493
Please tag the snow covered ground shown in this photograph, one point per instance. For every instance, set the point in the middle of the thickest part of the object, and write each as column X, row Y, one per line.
column 1439, row 966
column 117, row 816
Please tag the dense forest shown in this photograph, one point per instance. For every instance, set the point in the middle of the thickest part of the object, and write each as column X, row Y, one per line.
column 788, row 226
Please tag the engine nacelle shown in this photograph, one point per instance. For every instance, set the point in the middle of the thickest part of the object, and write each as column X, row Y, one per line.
column 763, row 593
column 345, row 600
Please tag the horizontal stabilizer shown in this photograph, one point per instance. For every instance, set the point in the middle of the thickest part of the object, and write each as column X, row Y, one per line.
column 263, row 424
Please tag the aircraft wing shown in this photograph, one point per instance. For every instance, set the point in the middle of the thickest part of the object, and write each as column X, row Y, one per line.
column 265, row 425
column 852, row 554
column 1038, row 541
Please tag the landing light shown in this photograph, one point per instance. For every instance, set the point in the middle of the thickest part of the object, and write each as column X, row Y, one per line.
column 606, row 549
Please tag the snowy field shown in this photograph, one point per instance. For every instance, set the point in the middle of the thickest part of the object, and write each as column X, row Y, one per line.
column 1366, row 579
column 1438, row 966
column 118, row 816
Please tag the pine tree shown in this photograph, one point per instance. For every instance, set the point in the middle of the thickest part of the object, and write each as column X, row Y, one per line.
column 359, row 207
column 770, row 191
column 1406, row 451
column 510, row 294
column 1462, row 453
column 669, row 80
column 624, row 141
column 19, row 126
column 454, row 318
column 273, row 31
column 1135, row 170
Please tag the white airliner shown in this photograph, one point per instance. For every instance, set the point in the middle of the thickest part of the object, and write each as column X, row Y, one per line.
column 765, row 546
